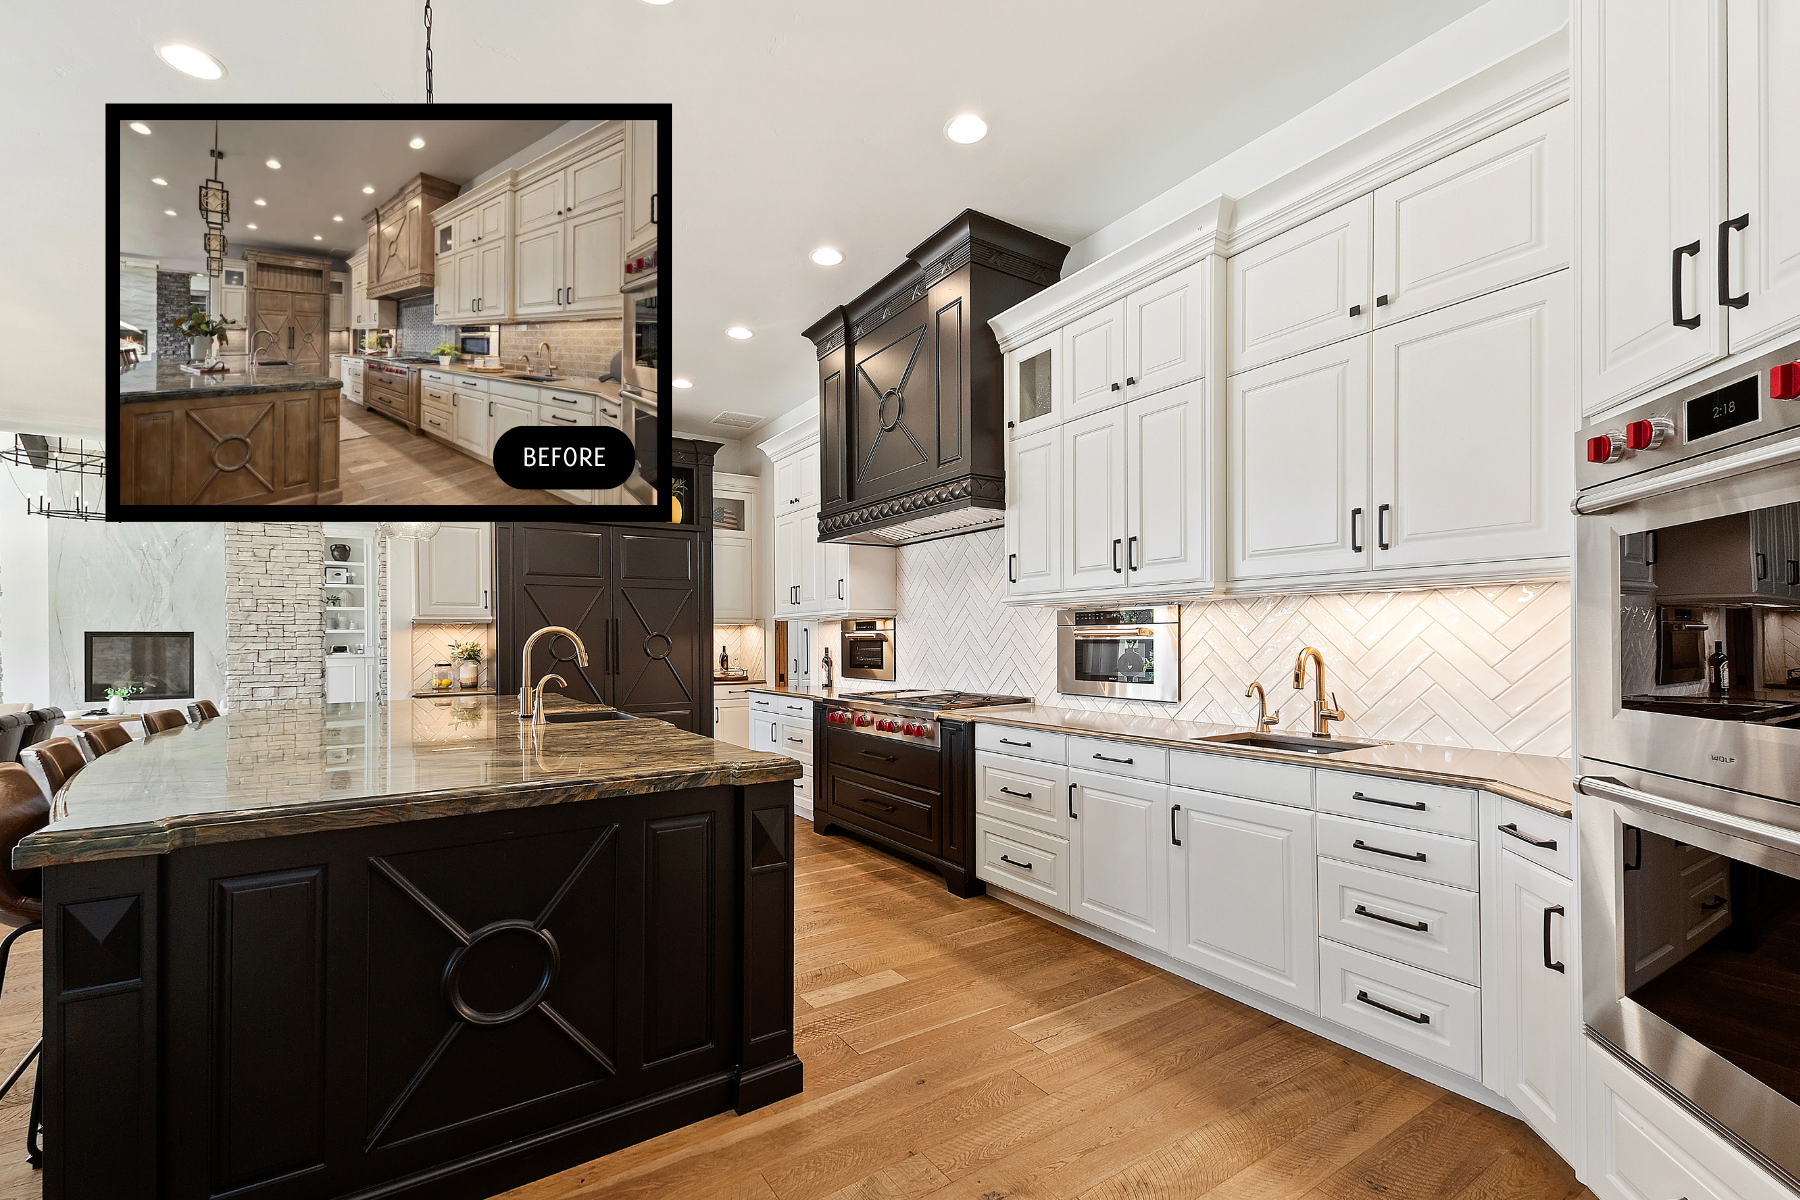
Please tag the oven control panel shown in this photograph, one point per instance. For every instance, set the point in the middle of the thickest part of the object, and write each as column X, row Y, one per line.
column 1712, row 416
column 888, row 725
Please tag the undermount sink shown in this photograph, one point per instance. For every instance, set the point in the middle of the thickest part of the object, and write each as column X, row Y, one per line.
column 564, row 718
column 1292, row 743
column 271, row 362
column 533, row 378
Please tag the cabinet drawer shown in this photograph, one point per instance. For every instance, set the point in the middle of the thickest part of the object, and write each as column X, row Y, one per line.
column 796, row 738
column 795, row 708
column 1022, row 792
column 441, row 380
column 762, row 702
column 1277, row 783
column 1024, row 743
column 554, row 400
column 803, row 791
column 1119, row 758
column 884, row 809
column 436, row 423
column 1397, row 802
column 430, row 395
column 1451, row 860
column 557, row 417
column 1024, row 861
column 513, row 391
column 1433, row 1017
column 723, row 693
column 1384, row 913
column 917, row 765
column 1531, row 833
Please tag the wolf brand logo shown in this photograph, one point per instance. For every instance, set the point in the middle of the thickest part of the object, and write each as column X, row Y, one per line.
column 575, row 457
column 1722, row 758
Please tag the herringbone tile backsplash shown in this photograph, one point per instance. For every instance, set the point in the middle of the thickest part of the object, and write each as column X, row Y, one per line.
column 1486, row 667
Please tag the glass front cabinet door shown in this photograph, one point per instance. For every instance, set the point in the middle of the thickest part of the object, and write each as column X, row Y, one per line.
column 1033, row 385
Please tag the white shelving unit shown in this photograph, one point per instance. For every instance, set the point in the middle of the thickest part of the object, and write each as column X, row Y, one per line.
column 350, row 621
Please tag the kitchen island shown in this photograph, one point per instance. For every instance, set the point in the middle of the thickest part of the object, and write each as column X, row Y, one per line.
column 419, row 950
column 266, row 435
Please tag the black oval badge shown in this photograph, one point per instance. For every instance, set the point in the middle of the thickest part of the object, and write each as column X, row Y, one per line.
column 571, row 457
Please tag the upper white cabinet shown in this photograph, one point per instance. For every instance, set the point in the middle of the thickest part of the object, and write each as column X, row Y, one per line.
column 1540, row 1007
column 1034, row 514
column 797, row 479
column 1168, row 480
column 1093, row 501
column 814, row 579
column 1165, row 332
column 454, row 572
column 1094, row 360
column 1472, row 417
column 734, row 526
column 1303, row 288
column 364, row 312
column 641, row 199
column 1492, row 214
column 1763, row 172
column 1033, row 378
column 474, row 255
column 568, row 228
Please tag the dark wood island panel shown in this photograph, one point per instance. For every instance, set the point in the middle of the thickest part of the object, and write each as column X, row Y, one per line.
column 265, row 448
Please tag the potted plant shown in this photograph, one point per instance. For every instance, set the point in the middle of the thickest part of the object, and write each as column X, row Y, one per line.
column 468, row 662
column 117, row 695
column 201, row 331
column 447, row 354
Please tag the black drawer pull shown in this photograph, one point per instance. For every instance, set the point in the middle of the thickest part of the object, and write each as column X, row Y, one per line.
column 1415, row 926
column 1511, row 829
column 1020, row 865
column 1362, row 845
column 1713, row 905
column 872, row 754
column 1416, row 807
column 798, row 741
column 1020, row 795
column 878, row 804
column 1415, row 1018
column 1554, row 966
column 1004, row 742
column 1124, row 761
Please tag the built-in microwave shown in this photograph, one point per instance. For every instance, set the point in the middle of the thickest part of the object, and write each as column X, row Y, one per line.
column 866, row 649
column 479, row 341
column 643, row 342
column 1124, row 653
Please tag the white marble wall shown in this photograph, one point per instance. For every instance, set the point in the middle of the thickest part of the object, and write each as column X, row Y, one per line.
column 151, row 577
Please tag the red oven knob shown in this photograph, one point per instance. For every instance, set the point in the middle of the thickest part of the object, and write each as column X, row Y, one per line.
column 909, row 728
column 865, row 719
column 1606, row 448
column 1648, row 434
column 1784, row 382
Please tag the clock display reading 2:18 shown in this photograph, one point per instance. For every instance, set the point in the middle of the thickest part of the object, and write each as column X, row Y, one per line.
column 1724, row 409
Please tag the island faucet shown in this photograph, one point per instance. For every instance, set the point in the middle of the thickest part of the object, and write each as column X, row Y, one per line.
column 526, row 696
column 1323, row 714
column 268, row 333
column 1265, row 720
column 537, row 696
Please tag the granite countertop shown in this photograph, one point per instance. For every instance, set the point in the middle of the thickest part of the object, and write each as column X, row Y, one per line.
column 302, row 767
column 819, row 693
column 572, row 383
column 167, row 381
column 1539, row 780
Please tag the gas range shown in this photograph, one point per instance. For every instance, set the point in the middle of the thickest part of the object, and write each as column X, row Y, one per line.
column 906, row 714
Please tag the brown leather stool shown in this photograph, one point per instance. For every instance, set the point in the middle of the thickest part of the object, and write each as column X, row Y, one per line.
column 109, row 736
column 202, row 710
column 168, row 718
column 22, row 811
column 62, row 760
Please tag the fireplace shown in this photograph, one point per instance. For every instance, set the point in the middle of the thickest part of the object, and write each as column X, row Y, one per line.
column 160, row 665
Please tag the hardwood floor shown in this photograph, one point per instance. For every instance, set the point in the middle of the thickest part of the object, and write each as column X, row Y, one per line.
column 394, row 466
column 963, row 1049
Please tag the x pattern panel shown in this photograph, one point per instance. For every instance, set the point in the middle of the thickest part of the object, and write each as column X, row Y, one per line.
column 1485, row 667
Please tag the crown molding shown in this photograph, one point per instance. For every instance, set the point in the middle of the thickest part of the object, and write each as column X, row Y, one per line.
column 795, row 437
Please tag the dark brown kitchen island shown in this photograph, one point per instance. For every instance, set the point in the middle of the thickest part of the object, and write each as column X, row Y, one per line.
column 311, row 951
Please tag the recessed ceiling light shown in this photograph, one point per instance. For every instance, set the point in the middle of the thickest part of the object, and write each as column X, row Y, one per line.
column 738, row 332
column 190, row 61
column 249, row 227
column 139, row 127
column 337, row 218
column 965, row 129
column 417, row 143
column 368, row 190
column 168, row 212
column 159, row 181
column 318, row 237
column 274, row 164
column 260, row 202
column 656, row 1
column 680, row 383
column 825, row 256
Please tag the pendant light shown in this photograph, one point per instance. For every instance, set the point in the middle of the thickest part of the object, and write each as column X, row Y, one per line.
column 407, row 531
column 215, row 210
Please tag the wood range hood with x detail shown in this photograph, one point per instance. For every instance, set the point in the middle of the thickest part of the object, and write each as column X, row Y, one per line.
column 912, row 426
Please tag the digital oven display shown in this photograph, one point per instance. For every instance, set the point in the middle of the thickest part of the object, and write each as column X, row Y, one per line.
column 1724, row 409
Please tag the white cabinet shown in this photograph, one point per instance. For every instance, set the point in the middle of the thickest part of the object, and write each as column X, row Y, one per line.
column 1491, row 215
column 366, row 313
column 491, row 275
column 474, row 256
column 538, row 270
column 1034, row 513
column 790, row 562
column 454, row 572
column 641, row 200
column 1094, row 359
column 568, row 219
column 1168, row 479
column 1472, row 416
column 1093, row 501
column 1120, row 860
column 734, row 547
column 1243, row 894
column 1650, row 78
column 1033, row 386
column 811, row 578
column 1763, row 172
column 1303, row 288
column 346, row 679
column 1540, row 1008
column 595, row 265
column 504, row 413
column 469, row 421
column 1298, row 463
column 797, row 480
column 1165, row 331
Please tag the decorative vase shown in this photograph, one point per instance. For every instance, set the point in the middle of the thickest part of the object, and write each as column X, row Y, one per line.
column 675, row 510
column 115, row 705
column 199, row 348
column 468, row 672
column 340, row 552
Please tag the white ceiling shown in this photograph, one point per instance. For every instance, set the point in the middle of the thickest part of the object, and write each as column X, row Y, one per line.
column 324, row 167
column 797, row 123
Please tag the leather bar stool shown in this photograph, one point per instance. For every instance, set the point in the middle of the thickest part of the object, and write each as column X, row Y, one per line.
column 43, row 725
column 61, row 760
column 13, row 727
column 168, row 718
column 202, row 710
column 22, row 811
column 109, row 736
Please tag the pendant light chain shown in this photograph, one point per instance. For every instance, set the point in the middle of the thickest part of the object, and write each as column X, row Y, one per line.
column 428, row 51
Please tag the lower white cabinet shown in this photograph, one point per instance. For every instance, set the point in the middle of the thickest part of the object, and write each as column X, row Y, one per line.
column 783, row 725
column 347, row 679
column 1119, row 844
column 453, row 572
column 1023, row 861
column 1243, row 891
column 731, row 721
column 1421, row 1012
column 1540, row 1006
column 506, row 413
column 469, row 414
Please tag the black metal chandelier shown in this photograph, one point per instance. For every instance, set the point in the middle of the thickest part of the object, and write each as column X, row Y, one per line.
column 215, row 210
column 55, row 457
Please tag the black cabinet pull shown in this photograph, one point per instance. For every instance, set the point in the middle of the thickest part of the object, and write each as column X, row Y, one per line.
column 1130, row 382
column 840, row 589
column 1005, row 742
column 1713, row 905
column 1415, row 1018
column 1511, row 829
column 1355, row 531
column 1650, row 548
column 1381, row 301
column 1637, row 861
column 884, row 807
column 1174, row 815
column 1117, row 542
column 872, row 754
column 1010, row 577
column 1362, row 845
column 1006, row 791
column 798, row 741
column 1554, row 966
column 1115, row 387
column 1125, row 761
column 1020, row 865
column 1072, row 815
column 654, row 197
column 1692, row 249
column 1381, row 541
column 1416, row 807
column 1725, row 227
column 1131, row 553
column 1356, row 310
column 1793, row 572
column 1415, row 926
column 1762, row 565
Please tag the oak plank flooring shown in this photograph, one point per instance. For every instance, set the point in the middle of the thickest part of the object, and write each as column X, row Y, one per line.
column 21, row 1017
column 963, row 1050
column 394, row 466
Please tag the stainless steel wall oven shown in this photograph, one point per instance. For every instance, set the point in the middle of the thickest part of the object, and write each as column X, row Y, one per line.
column 1129, row 653
column 866, row 649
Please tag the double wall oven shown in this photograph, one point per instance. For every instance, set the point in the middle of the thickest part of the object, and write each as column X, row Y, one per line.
column 1688, row 702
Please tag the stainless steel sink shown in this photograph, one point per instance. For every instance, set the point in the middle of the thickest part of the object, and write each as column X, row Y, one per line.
column 565, row 718
column 271, row 362
column 1292, row 743
column 533, row 378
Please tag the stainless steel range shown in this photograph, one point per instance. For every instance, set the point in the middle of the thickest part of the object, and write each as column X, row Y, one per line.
column 906, row 715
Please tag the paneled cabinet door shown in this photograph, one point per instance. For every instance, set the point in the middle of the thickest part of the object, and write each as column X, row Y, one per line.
column 359, row 295
column 454, row 572
column 787, row 565
column 789, row 487
column 233, row 306
column 1093, row 501
column 470, row 410
column 504, row 414
column 463, row 294
column 1034, row 510
column 806, row 477
column 490, row 278
column 1168, row 480
column 809, row 561
column 538, row 271
column 1492, row 214
column 640, row 186
column 734, row 577
column 1472, row 416
column 539, row 204
column 1242, row 893
column 1298, row 463
column 1119, row 851
column 591, row 283
column 1300, row 289
column 1764, row 173
column 1164, row 328
column 1094, row 361
column 1540, row 1015
column 1651, row 118
column 1034, row 379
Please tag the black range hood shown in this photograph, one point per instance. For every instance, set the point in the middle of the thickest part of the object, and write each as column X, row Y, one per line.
column 912, row 437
